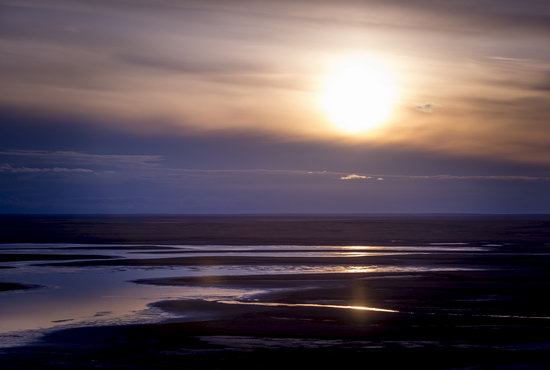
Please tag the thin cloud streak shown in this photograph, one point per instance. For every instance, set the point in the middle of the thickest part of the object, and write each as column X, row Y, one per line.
column 151, row 166
column 11, row 169
column 85, row 158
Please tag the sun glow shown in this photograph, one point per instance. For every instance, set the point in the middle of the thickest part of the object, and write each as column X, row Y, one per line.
column 358, row 94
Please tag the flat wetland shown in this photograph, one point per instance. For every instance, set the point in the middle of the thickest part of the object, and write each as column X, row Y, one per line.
column 207, row 292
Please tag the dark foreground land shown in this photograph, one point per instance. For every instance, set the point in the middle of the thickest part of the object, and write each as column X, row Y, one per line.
column 494, row 313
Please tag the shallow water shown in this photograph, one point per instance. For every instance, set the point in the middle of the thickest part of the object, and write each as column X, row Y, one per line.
column 105, row 295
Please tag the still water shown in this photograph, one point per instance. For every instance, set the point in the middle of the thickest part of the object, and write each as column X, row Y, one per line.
column 70, row 296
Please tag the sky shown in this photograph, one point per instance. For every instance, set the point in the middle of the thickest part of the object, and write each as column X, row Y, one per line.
column 241, row 106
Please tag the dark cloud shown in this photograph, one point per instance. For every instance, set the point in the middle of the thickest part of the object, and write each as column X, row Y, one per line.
column 543, row 84
column 487, row 15
column 425, row 107
column 190, row 66
column 531, row 76
column 112, row 160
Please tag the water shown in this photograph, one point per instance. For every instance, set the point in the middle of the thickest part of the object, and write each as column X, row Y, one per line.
column 72, row 296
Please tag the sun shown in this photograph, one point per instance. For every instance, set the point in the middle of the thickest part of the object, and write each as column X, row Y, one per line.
column 358, row 94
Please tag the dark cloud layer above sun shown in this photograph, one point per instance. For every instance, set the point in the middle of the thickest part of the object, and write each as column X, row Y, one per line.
column 115, row 105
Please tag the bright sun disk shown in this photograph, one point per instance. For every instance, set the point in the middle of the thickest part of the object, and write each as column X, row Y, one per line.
column 358, row 94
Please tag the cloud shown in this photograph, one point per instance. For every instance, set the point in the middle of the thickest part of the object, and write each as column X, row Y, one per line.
column 186, row 65
column 476, row 178
column 426, row 107
column 152, row 168
column 113, row 160
column 11, row 169
column 543, row 85
column 354, row 176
